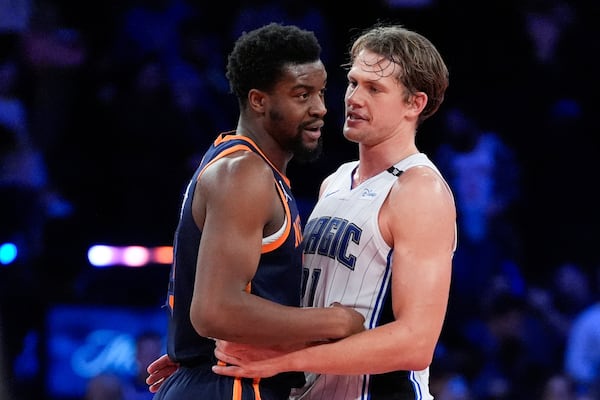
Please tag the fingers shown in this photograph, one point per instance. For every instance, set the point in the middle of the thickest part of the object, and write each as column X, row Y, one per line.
column 153, row 388
column 230, row 370
column 157, row 377
column 226, row 358
column 161, row 362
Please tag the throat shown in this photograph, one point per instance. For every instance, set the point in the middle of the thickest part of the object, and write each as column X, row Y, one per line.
column 356, row 179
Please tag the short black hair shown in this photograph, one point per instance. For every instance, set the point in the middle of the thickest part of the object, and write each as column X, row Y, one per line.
column 259, row 57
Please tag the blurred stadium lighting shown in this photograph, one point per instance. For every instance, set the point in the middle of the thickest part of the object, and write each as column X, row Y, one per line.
column 129, row 256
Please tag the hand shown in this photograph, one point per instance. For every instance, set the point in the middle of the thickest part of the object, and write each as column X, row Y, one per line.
column 243, row 365
column 247, row 360
column 247, row 352
column 159, row 370
column 355, row 318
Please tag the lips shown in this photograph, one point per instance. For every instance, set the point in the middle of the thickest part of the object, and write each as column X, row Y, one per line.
column 315, row 126
column 354, row 116
column 314, row 130
column 313, row 133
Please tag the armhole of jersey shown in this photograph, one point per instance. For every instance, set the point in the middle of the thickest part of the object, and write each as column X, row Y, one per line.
column 273, row 237
column 287, row 224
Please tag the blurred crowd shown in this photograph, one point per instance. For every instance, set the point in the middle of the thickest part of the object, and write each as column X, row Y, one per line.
column 106, row 106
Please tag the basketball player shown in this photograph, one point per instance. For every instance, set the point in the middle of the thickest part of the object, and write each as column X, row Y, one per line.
column 237, row 256
column 381, row 237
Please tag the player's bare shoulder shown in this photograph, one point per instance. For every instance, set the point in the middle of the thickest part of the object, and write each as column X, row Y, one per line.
column 419, row 204
column 421, row 192
column 422, row 183
column 237, row 171
column 230, row 181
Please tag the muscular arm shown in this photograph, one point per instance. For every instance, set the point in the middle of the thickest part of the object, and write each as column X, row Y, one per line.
column 236, row 203
column 418, row 219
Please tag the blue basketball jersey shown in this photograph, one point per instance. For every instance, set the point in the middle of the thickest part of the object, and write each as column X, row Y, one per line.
column 277, row 277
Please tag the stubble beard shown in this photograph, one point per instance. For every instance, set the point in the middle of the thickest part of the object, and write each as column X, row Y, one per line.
column 295, row 144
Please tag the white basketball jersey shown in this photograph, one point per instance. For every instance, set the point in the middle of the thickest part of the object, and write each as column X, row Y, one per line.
column 346, row 260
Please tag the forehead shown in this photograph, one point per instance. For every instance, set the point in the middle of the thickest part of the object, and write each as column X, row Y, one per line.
column 370, row 65
column 309, row 74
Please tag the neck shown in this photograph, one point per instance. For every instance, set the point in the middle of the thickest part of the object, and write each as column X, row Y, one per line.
column 373, row 161
column 265, row 142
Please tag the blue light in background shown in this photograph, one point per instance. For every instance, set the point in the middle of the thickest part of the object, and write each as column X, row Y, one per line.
column 8, row 253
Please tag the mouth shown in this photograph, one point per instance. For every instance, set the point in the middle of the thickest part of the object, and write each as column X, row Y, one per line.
column 314, row 130
column 353, row 116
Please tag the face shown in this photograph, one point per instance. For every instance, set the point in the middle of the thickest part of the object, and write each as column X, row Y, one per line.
column 375, row 101
column 296, row 110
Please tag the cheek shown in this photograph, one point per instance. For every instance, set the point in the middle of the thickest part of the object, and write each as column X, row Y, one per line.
column 275, row 115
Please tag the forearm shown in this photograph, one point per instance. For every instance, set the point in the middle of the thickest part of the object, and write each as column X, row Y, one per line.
column 264, row 323
column 374, row 351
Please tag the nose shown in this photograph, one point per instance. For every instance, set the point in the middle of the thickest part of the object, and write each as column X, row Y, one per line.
column 352, row 96
column 319, row 109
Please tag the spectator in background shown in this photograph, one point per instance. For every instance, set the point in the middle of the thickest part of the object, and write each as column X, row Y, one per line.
column 105, row 386
column 449, row 385
column 304, row 14
column 558, row 109
column 572, row 288
column 508, row 351
column 484, row 172
column 566, row 294
column 582, row 352
column 200, row 92
column 559, row 387
column 28, row 194
column 499, row 359
column 151, row 28
column 143, row 133
column 53, row 53
column 5, row 391
column 14, row 16
column 148, row 347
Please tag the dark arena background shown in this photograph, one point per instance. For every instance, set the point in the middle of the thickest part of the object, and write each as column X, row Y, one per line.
column 106, row 107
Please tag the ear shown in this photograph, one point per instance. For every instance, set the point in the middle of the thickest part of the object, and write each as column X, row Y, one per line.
column 418, row 102
column 257, row 100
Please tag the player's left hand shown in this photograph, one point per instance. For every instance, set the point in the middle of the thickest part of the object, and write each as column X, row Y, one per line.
column 159, row 370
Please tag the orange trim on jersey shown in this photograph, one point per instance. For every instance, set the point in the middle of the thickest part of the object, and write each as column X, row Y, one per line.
column 237, row 389
column 298, row 230
column 224, row 153
column 226, row 138
column 256, row 388
column 288, row 225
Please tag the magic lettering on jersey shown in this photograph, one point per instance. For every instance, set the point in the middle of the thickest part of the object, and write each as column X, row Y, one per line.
column 331, row 237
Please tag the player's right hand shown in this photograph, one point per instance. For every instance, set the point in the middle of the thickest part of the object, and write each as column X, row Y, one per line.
column 356, row 321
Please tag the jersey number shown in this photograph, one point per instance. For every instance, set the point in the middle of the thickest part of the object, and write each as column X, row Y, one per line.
column 309, row 285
